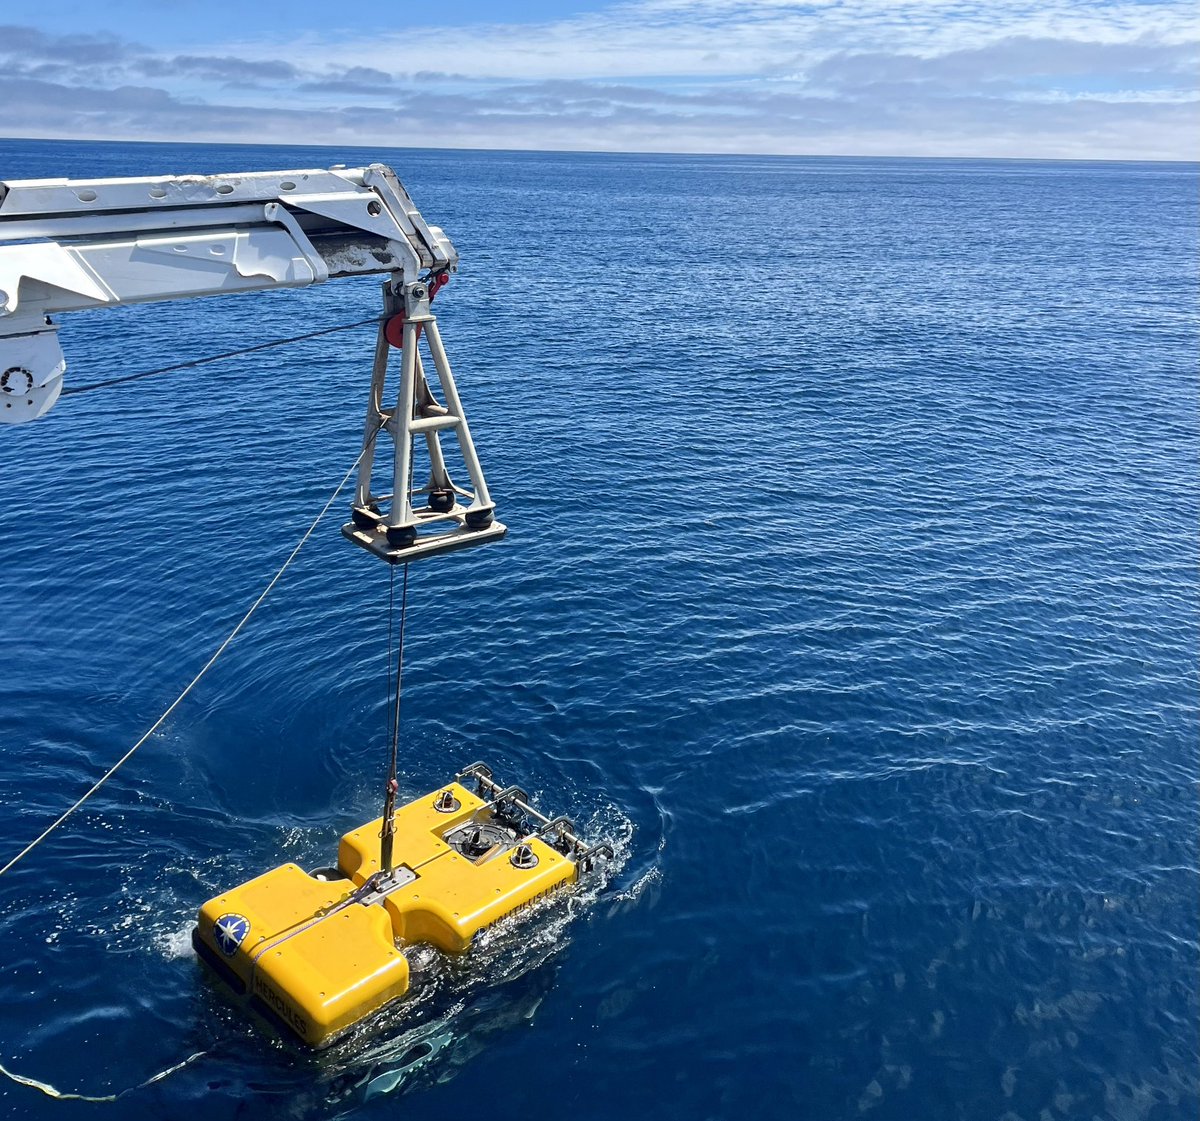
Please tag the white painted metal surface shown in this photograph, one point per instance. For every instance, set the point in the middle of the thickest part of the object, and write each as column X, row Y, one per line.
column 67, row 245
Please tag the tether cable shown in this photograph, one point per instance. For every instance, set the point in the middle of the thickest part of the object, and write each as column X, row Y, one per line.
column 195, row 680
column 67, row 1096
column 71, row 392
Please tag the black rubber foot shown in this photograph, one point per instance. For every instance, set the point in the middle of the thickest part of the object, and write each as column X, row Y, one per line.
column 400, row 537
column 479, row 519
column 441, row 501
column 364, row 519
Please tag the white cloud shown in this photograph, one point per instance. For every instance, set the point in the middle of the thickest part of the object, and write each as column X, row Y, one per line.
column 732, row 38
column 931, row 77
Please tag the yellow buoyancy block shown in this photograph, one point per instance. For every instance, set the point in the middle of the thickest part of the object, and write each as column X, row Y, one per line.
column 317, row 952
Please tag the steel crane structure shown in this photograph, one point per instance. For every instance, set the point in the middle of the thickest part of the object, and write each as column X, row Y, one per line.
column 71, row 245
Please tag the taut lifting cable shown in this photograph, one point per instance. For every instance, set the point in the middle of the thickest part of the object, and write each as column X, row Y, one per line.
column 191, row 684
column 212, row 358
column 389, row 799
column 388, row 830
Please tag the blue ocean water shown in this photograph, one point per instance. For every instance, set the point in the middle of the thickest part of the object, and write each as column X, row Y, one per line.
column 850, row 586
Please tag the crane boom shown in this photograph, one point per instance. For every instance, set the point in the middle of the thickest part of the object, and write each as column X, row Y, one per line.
column 73, row 244
column 67, row 245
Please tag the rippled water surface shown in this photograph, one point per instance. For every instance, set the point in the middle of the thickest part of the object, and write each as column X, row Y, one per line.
column 850, row 586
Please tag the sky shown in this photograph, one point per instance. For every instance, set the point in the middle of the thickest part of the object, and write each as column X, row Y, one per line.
column 1025, row 78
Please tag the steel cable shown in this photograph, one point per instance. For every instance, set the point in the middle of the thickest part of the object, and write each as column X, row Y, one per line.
column 192, row 363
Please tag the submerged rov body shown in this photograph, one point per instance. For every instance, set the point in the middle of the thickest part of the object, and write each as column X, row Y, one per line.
column 314, row 953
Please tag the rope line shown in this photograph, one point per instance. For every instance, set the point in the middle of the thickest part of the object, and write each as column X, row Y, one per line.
column 212, row 358
column 192, row 684
column 67, row 1096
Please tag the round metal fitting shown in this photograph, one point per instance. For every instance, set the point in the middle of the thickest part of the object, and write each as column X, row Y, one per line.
column 16, row 380
column 446, row 803
column 393, row 330
column 476, row 839
column 524, row 858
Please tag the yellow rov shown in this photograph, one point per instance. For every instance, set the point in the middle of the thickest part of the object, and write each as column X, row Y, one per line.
column 314, row 953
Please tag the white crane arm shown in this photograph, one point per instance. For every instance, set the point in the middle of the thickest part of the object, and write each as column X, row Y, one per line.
column 67, row 245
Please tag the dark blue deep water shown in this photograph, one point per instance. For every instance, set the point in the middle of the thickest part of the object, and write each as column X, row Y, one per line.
column 851, row 587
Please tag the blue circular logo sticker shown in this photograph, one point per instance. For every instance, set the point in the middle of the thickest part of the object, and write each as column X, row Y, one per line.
column 230, row 931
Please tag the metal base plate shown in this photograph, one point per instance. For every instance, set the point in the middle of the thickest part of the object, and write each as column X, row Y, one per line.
column 428, row 545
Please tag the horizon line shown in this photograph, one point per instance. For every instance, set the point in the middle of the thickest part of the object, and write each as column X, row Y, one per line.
column 599, row 151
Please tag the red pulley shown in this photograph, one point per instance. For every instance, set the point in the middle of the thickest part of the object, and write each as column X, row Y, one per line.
column 393, row 330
